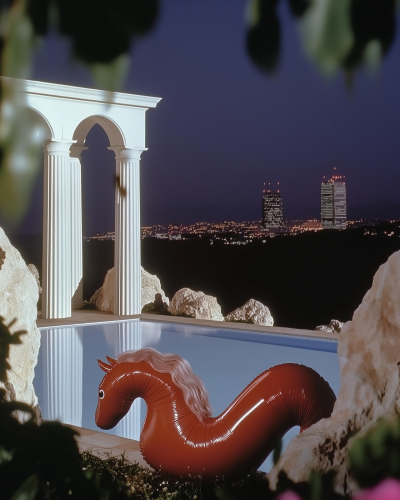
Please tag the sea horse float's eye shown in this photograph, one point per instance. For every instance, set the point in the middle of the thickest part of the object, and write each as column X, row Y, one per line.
column 101, row 394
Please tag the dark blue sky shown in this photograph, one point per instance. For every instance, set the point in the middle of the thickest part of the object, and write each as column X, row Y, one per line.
column 223, row 128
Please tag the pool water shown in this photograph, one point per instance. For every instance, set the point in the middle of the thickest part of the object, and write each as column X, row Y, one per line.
column 67, row 375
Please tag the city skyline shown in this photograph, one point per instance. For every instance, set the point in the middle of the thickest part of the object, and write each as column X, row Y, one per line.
column 242, row 230
column 223, row 127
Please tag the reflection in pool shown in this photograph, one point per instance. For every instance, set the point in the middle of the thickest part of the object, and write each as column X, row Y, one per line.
column 67, row 375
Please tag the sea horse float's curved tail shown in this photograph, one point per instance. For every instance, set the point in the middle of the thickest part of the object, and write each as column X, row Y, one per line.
column 179, row 435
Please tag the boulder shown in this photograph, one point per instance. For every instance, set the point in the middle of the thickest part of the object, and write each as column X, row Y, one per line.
column 369, row 356
column 151, row 285
column 335, row 326
column 103, row 298
column 19, row 294
column 195, row 304
column 252, row 312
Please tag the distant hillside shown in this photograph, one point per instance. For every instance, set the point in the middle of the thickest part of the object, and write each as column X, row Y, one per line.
column 305, row 280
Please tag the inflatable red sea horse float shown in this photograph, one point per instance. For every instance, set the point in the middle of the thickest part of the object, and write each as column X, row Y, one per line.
column 180, row 437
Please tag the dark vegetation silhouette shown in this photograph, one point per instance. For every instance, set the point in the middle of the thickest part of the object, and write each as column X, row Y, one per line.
column 41, row 461
column 305, row 280
column 370, row 20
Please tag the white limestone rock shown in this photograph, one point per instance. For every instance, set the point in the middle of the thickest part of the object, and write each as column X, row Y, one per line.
column 19, row 295
column 335, row 326
column 195, row 304
column 252, row 311
column 369, row 353
column 150, row 286
column 32, row 268
column 103, row 298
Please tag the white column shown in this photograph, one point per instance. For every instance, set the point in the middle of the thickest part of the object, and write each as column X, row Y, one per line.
column 128, row 338
column 76, row 227
column 127, row 298
column 56, row 267
column 62, row 357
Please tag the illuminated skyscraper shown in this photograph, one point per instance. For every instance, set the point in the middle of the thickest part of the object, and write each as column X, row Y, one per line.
column 333, row 203
column 272, row 213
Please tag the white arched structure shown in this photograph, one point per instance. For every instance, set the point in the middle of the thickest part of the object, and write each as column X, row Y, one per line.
column 69, row 114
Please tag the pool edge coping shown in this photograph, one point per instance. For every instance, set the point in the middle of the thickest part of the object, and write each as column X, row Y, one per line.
column 76, row 319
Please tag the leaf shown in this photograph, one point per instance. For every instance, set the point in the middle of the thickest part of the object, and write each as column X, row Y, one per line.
column 110, row 76
column 28, row 489
column 316, row 485
column 5, row 455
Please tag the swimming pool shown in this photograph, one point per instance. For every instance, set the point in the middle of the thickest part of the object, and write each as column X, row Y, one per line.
column 67, row 375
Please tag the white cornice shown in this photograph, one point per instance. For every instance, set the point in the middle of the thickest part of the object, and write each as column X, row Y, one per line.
column 58, row 90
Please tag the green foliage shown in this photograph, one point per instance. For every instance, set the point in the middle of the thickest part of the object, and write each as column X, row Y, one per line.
column 41, row 461
column 121, row 20
column 376, row 455
column 145, row 484
column 336, row 34
column 316, row 488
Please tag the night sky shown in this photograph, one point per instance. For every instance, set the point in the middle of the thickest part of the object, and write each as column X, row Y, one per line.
column 223, row 128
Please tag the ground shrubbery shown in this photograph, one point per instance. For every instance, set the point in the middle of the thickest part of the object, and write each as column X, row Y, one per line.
column 42, row 462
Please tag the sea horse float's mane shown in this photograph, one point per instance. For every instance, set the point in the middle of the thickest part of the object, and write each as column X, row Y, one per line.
column 194, row 392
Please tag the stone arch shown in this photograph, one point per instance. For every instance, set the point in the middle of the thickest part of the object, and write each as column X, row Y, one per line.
column 39, row 120
column 69, row 113
column 111, row 128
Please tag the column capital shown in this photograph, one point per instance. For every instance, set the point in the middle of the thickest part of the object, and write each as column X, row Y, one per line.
column 76, row 151
column 57, row 147
column 126, row 154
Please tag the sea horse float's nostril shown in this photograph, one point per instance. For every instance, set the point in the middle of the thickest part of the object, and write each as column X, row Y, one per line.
column 179, row 413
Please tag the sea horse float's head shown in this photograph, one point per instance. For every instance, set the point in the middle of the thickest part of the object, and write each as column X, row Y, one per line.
column 141, row 374
column 112, row 406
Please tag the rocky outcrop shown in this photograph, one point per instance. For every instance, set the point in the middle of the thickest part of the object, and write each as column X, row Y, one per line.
column 195, row 304
column 252, row 312
column 369, row 356
column 103, row 298
column 335, row 326
column 19, row 295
